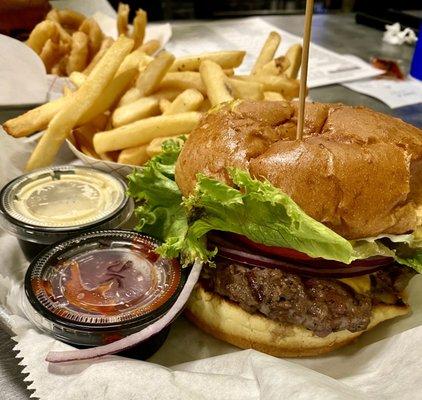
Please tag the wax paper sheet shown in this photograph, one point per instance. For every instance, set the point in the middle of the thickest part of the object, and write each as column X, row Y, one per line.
column 384, row 364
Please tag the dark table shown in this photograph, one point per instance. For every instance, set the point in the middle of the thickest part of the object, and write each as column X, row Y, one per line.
column 336, row 32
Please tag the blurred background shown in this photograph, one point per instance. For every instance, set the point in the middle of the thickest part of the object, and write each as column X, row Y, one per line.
column 375, row 13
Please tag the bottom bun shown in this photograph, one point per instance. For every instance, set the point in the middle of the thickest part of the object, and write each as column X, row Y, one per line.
column 225, row 320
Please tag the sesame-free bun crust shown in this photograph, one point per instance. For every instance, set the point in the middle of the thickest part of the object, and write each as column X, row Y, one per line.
column 355, row 170
column 226, row 321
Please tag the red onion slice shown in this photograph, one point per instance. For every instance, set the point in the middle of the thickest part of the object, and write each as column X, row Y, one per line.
column 325, row 269
column 134, row 339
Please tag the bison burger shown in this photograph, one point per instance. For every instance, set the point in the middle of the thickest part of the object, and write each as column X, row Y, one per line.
column 308, row 243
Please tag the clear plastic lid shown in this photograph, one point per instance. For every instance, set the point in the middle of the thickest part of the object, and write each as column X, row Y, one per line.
column 98, row 281
column 62, row 199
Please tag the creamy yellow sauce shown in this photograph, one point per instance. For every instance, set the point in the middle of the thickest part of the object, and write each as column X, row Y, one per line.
column 71, row 200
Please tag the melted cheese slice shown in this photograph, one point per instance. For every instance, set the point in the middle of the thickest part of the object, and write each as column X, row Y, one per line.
column 360, row 284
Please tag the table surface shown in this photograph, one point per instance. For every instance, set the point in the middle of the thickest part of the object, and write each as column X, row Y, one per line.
column 339, row 33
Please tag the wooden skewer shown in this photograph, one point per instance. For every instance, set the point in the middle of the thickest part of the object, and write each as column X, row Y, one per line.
column 304, row 66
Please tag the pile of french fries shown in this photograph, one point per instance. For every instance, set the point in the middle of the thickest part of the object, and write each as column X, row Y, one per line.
column 68, row 41
column 129, row 103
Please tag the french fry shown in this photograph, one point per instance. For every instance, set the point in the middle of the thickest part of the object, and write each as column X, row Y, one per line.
column 289, row 88
column 139, row 25
column 215, row 82
column 226, row 59
column 105, row 45
column 273, row 96
column 294, row 55
column 77, row 78
column 78, row 57
column 143, row 131
column 122, row 19
column 132, row 61
column 267, row 51
column 136, row 59
column 78, row 104
column 164, row 104
column 130, row 96
column 246, row 89
column 95, row 35
column 38, row 118
column 182, row 81
column 189, row 100
column 141, row 108
column 33, row 120
column 275, row 67
column 155, row 146
column 41, row 33
column 84, row 135
column 149, row 80
column 109, row 156
column 228, row 72
column 167, row 94
column 134, row 155
column 150, row 47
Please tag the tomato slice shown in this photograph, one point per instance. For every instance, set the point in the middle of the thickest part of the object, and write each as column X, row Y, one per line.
column 273, row 250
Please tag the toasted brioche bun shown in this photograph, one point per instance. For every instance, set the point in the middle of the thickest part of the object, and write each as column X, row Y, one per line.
column 354, row 170
column 226, row 321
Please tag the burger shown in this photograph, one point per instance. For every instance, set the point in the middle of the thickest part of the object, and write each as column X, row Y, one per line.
column 306, row 243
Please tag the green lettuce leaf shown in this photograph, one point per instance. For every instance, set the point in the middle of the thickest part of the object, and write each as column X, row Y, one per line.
column 159, row 210
column 252, row 208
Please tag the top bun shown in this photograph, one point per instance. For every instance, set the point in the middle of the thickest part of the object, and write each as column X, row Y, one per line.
column 355, row 170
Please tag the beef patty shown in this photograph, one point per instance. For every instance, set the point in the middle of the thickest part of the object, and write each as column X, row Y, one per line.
column 320, row 305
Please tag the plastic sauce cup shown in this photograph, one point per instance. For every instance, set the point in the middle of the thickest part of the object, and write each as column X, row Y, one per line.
column 102, row 286
column 55, row 203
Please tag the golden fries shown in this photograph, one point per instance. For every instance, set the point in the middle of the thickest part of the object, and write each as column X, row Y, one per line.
column 267, row 51
column 246, row 90
column 182, row 81
column 78, row 58
column 215, row 82
column 154, row 73
column 122, row 19
column 277, row 66
column 134, row 155
column 34, row 120
column 164, row 104
column 143, row 131
column 289, row 88
column 80, row 102
column 273, row 96
column 139, row 109
column 294, row 55
column 151, row 47
column 127, row 102
column 167, row 94
column 105, row 45
column 189, row 100
column 139, row 25
column 225, row 59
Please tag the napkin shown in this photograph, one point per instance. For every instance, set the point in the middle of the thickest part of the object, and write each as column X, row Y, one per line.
column 384, row 363
column 23, row 80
